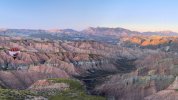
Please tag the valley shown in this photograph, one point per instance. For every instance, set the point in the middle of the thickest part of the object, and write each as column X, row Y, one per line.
column 93, row 64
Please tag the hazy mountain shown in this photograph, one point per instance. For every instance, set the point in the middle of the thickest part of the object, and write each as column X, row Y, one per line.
column 66, row 31
column 88, row 31
column 101, row 34
column 161, row 33
column 109, row 31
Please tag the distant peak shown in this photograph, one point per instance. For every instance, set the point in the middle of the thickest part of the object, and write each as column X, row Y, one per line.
column 104, row 28
column 53, row 30
column 2, row 29
column 166, row 32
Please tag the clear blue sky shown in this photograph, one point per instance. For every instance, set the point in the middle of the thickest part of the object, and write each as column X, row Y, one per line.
column 141, row 15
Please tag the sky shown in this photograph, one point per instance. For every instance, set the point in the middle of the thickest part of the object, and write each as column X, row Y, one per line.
column 138, row 15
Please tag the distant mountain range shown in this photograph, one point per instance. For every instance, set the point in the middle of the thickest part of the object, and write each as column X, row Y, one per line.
column 102, row 34
column 161, row 33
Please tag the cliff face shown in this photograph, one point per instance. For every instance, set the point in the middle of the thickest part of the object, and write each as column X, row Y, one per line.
column 52, row 60
column 135, row 87
column 169, row 93
column 67, row 56
column 155, row 72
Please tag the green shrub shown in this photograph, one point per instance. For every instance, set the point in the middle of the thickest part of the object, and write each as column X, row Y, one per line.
column 10, row 94
column 74, row 84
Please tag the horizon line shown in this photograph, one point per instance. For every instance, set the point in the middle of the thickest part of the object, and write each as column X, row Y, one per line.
column 131, row 29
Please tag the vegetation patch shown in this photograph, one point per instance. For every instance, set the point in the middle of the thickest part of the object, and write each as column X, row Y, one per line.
column 2, row 48
column 74, row 95
column 10, row 94
column 74, row 84
column 76, row 91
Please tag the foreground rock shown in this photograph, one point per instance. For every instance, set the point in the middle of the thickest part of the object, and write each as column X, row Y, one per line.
column 24, row 78
column 164, row 95
column 171, row 93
